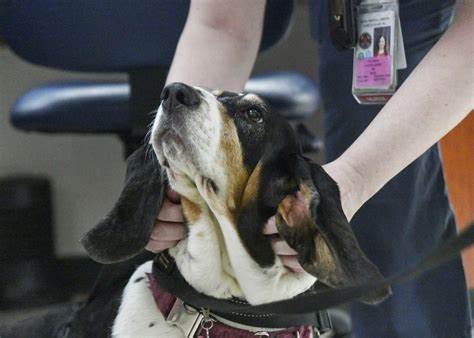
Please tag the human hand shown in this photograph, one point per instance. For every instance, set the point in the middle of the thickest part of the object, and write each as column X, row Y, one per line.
column 169, row 227
column 288, row 256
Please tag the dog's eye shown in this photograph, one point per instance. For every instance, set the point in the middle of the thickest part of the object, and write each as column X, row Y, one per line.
column 254, row 115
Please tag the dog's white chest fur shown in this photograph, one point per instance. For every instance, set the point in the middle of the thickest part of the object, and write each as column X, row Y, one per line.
column 138, row 314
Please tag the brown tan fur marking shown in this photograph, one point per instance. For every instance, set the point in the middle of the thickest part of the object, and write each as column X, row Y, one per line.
column 252, row 186
column 300, row 230
column 294, row 209
column 238, row 174
column 324, row 256
column 191, row 211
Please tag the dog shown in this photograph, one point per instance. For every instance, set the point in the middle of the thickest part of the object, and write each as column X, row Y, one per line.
column 235, row 165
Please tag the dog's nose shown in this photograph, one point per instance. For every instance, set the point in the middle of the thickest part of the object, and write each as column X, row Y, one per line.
column 178, row 93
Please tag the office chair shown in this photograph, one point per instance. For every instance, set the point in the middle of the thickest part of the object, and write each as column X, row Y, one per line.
column 137, row 38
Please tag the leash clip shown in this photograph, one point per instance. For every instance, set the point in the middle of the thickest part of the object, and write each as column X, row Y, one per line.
column 185, row 317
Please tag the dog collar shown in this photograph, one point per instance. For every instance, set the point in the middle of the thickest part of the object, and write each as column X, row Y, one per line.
column 203, row 323
column 169, row 279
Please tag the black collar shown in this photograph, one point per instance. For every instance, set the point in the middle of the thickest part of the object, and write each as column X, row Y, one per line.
column 169, row 278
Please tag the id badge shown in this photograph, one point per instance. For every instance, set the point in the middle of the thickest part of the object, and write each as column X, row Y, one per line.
column 377, row 52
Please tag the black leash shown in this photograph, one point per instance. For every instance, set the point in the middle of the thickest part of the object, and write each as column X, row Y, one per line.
column 309, row 302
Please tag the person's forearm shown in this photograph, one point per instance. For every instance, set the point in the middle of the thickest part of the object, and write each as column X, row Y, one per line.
column 219, row 44
column 432, row 101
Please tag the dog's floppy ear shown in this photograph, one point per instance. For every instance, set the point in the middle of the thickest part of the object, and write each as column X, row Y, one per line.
column 127, row 228
column 311, row 220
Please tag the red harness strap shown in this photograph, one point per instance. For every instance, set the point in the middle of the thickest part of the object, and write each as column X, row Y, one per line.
column 220, row 330
column 165, row 301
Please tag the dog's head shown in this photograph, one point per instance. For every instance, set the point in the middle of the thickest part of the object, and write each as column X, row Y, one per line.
column 230, row 152
column 225, row 148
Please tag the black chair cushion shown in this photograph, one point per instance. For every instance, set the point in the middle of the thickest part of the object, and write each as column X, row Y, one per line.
column 104, row 107
column 77, row 107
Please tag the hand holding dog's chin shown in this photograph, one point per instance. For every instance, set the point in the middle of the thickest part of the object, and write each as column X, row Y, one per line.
column 169, row 227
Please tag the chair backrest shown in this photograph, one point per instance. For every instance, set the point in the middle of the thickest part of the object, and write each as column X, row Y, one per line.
column 109, row 35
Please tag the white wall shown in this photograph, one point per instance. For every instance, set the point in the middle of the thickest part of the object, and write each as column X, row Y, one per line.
column 87, row 171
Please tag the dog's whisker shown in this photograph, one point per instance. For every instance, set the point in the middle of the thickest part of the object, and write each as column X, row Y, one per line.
column 154, row 111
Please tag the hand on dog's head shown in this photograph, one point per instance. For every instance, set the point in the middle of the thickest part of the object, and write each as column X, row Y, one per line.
column 251, row 162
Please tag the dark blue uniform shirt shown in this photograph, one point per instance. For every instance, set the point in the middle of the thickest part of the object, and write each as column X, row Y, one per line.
column 411, row 215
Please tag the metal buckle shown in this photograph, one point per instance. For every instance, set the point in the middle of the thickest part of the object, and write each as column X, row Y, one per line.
column 164, row 262
column 185, row 317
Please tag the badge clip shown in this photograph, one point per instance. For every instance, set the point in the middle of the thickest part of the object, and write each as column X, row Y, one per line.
column 342, row 27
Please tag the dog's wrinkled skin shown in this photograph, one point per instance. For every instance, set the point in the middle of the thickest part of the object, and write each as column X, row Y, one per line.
column 235, row 164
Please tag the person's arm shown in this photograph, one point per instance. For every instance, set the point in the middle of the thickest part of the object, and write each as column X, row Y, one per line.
column 217, row 49
column 433, row 100
column 219, row 44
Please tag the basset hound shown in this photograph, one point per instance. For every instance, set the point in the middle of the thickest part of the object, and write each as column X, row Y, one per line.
column 235, row 164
